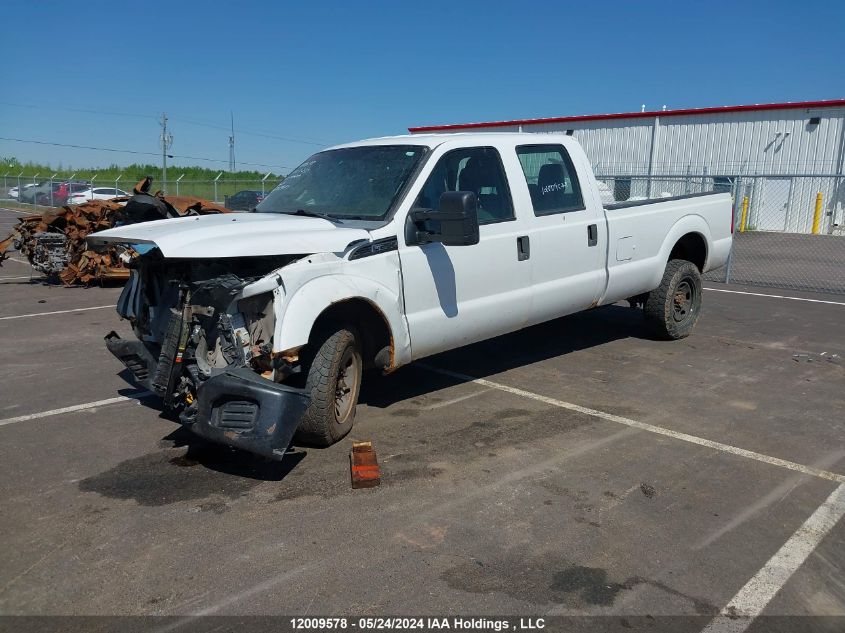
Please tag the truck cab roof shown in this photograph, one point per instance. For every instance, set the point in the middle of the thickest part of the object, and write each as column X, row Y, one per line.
column 471, row 138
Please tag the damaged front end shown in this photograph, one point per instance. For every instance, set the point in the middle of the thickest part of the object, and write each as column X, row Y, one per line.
column 205, row 346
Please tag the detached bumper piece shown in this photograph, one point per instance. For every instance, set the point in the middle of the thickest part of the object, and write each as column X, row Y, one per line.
column 244, row 410
column 135, row 356
column 236, row 407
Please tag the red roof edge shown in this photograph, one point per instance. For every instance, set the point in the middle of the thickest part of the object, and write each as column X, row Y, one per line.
column 633, row 115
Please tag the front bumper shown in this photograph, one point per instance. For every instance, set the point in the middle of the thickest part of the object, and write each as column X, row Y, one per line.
column 244, row 410
column 235, row 407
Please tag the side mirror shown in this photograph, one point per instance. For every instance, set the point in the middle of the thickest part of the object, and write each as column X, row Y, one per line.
column 454, row 224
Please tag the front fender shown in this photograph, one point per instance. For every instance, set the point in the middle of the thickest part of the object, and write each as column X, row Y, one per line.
column 310, row 300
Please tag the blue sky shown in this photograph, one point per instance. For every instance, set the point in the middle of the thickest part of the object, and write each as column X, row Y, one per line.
column 331, row 72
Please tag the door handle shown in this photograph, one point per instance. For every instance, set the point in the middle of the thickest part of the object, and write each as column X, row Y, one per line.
column 592, row 235
column 523, row 248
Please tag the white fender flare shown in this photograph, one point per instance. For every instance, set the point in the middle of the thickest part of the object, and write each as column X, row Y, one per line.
column 692, row 223
column 309, row 301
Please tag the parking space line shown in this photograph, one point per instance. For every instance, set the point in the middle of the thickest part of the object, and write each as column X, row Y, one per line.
column 750, row 601
column 17, row 261
column 775, row 495
column 760, row 294
column 446, row 403
column 76, row 407
column 36, row 314
column 651, row 428
column 13, row 278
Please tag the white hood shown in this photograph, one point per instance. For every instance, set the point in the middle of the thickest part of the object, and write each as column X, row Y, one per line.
column 235, row 235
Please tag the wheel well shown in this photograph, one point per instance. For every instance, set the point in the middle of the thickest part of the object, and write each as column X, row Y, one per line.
column 692, row 248
column 366, row 318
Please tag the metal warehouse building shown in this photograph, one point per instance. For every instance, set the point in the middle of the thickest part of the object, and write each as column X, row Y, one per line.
column 785, row 158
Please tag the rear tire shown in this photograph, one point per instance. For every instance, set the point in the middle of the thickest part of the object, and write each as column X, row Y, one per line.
column 333, row 382
column 672, row 309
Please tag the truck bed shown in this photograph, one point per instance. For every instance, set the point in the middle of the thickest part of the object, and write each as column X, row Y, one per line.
column 641, row 234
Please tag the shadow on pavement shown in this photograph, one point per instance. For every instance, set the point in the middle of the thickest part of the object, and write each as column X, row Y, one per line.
column 230, row 461
column 524, row 347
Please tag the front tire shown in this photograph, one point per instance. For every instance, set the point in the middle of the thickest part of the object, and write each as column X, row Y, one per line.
column 672, row 309
column 333, row 382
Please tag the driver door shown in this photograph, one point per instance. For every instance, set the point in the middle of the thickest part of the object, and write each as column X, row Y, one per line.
column 456, row 295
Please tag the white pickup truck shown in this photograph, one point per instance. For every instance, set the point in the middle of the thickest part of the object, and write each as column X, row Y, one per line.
column 257, row 326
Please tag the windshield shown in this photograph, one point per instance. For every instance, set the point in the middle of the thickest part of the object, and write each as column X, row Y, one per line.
column 355, row 182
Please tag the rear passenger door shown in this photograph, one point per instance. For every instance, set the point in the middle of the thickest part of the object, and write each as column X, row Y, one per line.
column 568, row 234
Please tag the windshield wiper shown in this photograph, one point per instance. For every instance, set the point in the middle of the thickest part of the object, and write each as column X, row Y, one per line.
column 311, row 214
column 359, row 217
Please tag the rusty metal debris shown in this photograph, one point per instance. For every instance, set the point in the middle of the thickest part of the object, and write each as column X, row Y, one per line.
column 364, row 465
column 54, row 242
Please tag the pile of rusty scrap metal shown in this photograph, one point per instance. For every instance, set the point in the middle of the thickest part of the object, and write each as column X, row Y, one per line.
column 54, row 242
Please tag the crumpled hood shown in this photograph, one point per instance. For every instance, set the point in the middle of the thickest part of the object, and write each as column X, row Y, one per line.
column 235, row 235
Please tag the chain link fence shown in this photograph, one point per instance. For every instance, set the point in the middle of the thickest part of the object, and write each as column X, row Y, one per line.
column 43, row 191
column 789, row 229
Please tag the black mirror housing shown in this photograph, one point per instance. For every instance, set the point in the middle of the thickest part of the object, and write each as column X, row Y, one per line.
column 454, row 224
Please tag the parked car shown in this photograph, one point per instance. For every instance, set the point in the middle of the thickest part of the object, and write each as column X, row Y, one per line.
column 379, row 253
column 61, row 190
column 245, row 200
column 15, row 193
column 28, row 193
column 96, row 193
column 61, row 193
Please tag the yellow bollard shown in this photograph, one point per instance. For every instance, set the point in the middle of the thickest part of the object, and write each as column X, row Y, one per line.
column 817, row 216
column 744, row 215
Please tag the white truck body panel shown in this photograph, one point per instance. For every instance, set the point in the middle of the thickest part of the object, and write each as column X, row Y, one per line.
column 257, row 326
column 435, row 297
column 236, row 235
column 312, row 284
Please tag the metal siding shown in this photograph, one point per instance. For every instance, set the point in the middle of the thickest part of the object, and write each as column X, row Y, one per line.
column 750, row 142
column 728, row 143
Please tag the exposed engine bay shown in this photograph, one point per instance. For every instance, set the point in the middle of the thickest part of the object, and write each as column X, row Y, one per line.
column 191, row 330
column 180, row 311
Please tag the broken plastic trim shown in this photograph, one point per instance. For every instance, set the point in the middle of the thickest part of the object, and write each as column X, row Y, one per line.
column 239, row 408
column 236, row 407
column 384, row 245
column 135, row 356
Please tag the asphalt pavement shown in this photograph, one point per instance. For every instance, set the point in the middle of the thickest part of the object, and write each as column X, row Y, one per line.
column 575, row 468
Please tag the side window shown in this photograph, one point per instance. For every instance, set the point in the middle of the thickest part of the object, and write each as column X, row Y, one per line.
column 551, row 177
column 476, row 169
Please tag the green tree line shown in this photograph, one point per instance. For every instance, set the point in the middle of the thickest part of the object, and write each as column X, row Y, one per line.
column 129, row 174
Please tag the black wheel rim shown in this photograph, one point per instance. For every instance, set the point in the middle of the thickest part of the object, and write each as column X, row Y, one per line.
column 684, row 300
column 346, row 386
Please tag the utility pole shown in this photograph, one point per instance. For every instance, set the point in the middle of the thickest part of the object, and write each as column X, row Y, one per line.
column 166, row 142
column 232, row 144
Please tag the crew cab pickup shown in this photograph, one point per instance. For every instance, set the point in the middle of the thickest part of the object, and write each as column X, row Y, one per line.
column 256, row 327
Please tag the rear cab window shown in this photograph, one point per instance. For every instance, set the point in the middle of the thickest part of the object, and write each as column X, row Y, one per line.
column 551, row 178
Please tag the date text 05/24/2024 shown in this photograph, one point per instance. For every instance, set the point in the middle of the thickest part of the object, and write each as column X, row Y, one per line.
column 416, row 623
